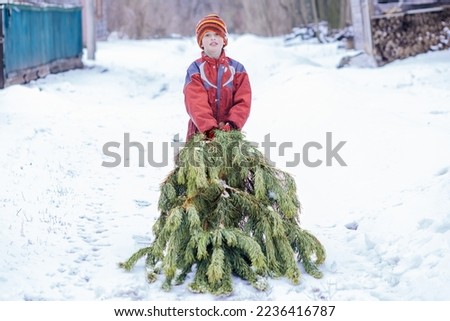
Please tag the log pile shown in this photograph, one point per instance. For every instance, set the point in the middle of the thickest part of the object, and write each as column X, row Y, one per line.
column 405, row 35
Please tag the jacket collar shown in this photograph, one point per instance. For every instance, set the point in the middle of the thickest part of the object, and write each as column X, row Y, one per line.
column 211, row 60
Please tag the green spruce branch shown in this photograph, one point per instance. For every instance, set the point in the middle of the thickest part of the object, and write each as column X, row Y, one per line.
column 226, row 211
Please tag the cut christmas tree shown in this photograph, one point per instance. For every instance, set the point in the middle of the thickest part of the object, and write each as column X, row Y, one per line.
column 226, row 211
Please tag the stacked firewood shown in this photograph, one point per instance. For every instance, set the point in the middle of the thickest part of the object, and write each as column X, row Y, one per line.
column 405, row 35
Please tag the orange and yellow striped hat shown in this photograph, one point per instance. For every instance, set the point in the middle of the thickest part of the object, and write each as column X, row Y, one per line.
column 211, row 22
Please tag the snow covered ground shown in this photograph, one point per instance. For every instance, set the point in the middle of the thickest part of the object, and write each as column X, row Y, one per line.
column 66, row 220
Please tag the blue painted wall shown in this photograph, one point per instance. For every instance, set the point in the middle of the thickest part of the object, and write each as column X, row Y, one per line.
column 35, row 36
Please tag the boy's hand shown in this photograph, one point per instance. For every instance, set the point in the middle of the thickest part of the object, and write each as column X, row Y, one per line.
column 226, row 127
column 210, row 133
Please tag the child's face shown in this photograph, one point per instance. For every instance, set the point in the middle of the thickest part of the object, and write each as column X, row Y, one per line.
column 212, row 43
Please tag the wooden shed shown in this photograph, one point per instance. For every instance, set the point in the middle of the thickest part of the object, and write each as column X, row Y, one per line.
column 388, row 30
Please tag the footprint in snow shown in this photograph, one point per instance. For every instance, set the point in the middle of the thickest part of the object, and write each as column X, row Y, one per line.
column 142, row 204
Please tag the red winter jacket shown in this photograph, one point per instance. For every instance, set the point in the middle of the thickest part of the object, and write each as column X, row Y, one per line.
column 216, row 90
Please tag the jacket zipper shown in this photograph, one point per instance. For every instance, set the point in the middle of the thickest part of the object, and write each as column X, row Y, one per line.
column 220, row 69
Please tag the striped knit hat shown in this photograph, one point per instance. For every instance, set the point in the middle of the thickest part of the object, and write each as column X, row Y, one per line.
column 211, row 22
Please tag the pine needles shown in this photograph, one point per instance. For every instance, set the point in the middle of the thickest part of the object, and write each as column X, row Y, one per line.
column 225, row 210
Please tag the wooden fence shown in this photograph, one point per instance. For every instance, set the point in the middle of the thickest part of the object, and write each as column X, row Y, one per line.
column 36, row 41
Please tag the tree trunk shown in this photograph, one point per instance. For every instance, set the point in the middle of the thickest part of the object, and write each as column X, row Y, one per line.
column 304, row 11
column 343, row 14
column 314, row 12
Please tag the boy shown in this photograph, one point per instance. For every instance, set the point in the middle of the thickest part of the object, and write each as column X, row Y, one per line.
column 217, row 89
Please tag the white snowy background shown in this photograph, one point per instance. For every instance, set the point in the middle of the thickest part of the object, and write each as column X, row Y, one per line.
column 66, row 221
